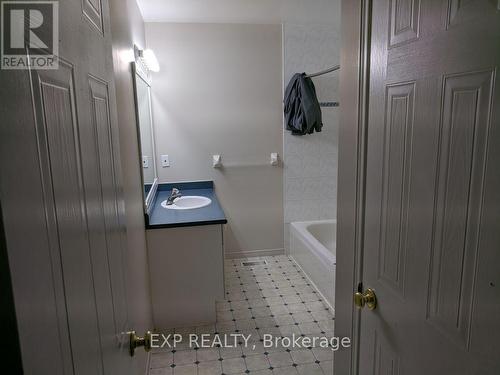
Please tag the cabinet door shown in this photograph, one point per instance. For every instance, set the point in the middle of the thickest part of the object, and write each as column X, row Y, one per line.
column 187, row 274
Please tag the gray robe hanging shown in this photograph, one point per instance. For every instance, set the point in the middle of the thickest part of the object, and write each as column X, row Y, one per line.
column 302, row 110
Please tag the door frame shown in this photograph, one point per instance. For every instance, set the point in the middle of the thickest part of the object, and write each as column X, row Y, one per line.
column 354, row 90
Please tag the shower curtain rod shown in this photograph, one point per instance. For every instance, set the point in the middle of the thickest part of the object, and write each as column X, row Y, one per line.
column 329, row 70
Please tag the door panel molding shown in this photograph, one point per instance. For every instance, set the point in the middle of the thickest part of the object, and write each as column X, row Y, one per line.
column 96, row 203
column 398, row 137
column 453, row 8
column 404, row 21
column 92, row 10
column 65, row 82
column 60, row 159
column 108, row 196
column 462, row 155
column 463, row 11
column 385, row 360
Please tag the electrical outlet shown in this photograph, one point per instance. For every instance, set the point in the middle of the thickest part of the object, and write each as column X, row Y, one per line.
column 165, row 161
column 145, row 161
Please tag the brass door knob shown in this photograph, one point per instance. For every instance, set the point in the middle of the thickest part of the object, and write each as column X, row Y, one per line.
column 368, row 298
column 136, row 341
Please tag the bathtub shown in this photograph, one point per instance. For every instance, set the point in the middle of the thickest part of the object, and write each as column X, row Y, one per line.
column 312, row 247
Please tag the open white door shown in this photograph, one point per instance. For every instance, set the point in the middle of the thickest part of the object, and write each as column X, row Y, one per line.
column 430, row 213
column 61, row 201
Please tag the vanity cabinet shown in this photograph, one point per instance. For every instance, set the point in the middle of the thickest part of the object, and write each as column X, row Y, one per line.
column 187, row 274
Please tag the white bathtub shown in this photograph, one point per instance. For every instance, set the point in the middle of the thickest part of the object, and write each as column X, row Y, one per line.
column 312, row 247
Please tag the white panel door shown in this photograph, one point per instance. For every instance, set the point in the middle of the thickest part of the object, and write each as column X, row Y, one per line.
column 432, row 220
column 62, row 204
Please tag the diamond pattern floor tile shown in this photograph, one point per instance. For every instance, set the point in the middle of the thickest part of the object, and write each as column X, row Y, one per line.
column 274, row 298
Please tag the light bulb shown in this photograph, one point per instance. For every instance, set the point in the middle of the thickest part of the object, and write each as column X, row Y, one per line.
column 151, row 60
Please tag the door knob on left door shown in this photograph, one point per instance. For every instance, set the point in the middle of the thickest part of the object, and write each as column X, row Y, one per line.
column 368, row 298
column 136, row 341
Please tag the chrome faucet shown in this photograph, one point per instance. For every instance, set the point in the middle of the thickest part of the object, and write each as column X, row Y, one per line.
column 175, row 194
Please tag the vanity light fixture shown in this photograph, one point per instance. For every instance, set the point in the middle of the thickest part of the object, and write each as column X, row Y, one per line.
column 151, row 60
column 148, row 58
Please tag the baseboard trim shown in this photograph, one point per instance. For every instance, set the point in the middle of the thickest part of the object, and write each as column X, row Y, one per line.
column 254, row 253
column 315, row 287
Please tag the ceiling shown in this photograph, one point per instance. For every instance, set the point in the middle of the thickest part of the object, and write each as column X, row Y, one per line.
column 238, row 11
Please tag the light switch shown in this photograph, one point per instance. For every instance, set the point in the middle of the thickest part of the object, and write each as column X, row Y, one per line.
column 145, row 161
column 165, row 161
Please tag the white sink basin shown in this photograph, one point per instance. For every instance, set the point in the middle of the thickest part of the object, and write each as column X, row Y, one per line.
column 187, row 203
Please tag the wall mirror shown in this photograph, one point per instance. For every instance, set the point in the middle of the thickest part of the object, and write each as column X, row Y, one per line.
column 145, row 132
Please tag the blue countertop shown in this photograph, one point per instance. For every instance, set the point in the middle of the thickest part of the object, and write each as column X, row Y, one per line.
column 160, row 217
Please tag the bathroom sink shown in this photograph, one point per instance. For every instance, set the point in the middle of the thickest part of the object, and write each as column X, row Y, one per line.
column 187, row 203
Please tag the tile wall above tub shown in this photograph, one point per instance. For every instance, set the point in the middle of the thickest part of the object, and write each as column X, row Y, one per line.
column 310, row 161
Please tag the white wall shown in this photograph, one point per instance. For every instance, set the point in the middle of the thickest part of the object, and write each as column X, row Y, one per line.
column 219, row 91
column 310, row 161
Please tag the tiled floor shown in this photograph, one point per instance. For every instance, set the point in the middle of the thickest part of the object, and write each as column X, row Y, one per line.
column 266, row 299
